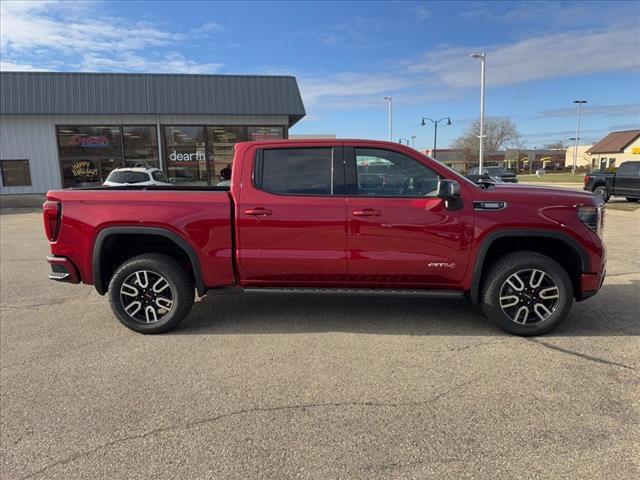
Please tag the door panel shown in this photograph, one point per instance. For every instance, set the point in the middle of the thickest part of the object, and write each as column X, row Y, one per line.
column 410, row 242
column 627, row 179
column 399, row 233
column 295, row 232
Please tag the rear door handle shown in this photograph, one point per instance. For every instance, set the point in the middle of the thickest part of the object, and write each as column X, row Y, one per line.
column 366, row 212
column 258, row 211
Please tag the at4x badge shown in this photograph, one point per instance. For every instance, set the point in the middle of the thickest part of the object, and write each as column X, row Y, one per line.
column 441, row 265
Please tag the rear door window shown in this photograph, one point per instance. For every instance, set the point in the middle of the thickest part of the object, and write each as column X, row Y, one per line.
column 300, row 171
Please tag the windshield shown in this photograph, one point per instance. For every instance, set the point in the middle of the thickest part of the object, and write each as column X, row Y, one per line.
column 127, row 177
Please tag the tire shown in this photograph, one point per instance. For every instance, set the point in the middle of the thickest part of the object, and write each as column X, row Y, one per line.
column 536, row 290
column 602, row 192
column 151, row 293
column 632, row 199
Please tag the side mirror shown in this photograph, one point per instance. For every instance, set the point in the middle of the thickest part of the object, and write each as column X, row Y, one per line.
column 448, row 189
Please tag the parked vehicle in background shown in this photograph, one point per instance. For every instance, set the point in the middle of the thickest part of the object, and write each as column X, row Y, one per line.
column 136, row 176
column 625, row 182
column 313, row 216
column 502, row 173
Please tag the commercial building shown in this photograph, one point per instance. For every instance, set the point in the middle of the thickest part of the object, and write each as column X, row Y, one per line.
column 610, row 152
column 72, row 129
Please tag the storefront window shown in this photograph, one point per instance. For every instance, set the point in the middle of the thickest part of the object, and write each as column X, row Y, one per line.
column 265, row 133
column 140, row 146
column 15, row 173
column 88, row 154
column 220, row 151
column 185, row 156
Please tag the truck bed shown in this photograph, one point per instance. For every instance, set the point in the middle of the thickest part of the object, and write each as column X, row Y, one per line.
column 201, row 217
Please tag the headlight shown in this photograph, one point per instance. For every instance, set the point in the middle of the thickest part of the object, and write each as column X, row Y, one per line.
column 592, row 217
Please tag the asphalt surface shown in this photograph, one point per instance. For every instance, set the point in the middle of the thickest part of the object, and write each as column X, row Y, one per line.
column 295, row 386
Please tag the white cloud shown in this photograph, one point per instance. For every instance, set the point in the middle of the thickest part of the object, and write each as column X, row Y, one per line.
column 421, row 12
column 623, row 110
column 536, row 58
column 173, row 62
column 349, row 89
column 82, row 35
column 210, row 27
column 19, row 67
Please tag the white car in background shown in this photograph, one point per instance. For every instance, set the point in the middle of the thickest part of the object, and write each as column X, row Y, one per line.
column 136, row 176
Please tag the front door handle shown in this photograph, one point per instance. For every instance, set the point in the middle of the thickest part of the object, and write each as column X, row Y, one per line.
column 366, row 212
column 258, row 211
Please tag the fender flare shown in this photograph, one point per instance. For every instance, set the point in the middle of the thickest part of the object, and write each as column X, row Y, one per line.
column 175, row 238
column 474, row 291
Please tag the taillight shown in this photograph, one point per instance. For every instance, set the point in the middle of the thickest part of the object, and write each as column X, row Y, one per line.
column 586, row 179
column 52, row 212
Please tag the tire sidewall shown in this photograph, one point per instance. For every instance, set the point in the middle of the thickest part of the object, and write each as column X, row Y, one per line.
column 163, row 266
column 493, row 310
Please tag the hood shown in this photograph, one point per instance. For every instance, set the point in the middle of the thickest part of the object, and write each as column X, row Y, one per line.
column 538, row 194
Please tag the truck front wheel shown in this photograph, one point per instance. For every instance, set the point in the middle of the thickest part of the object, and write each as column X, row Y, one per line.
column 151, row 293
column 527, row 293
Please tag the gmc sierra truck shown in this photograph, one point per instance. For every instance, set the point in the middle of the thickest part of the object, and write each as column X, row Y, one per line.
column 341, row 216
column 625, row 182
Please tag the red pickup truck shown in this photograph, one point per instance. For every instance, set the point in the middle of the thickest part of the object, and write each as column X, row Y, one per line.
column 341, row 216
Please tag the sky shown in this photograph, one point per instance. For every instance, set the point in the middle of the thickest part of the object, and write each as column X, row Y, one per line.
column 347, row 56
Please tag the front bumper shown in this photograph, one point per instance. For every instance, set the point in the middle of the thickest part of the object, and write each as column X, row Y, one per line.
column 62, row 270
column 590, row 283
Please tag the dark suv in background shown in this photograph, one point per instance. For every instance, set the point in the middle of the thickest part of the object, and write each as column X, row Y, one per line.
column 502, row 174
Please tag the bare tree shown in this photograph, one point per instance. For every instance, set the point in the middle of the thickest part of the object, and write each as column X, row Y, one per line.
column 499, row 133
column 556, row 146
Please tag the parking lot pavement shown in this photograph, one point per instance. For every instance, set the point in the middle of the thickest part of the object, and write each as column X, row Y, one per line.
column 281, row 386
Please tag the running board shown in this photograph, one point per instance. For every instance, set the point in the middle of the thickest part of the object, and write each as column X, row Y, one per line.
column 359, row 291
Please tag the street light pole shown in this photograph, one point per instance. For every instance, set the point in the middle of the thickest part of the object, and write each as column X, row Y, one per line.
column 413, row 141
column 435, row 131
column 483, row 59
column 390, row 100
column 575, row 143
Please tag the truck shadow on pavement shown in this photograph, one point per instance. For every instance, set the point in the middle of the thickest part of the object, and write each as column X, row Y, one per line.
column 613, row 312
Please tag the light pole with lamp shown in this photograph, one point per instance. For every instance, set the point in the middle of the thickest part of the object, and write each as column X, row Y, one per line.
column 482, row 57
column 390, row 100
column 413, row 141
column 435, row 131
column 577, row 137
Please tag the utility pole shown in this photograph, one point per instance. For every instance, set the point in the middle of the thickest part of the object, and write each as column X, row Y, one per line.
column 577, row 137
column 482, row 57
column 390, row 101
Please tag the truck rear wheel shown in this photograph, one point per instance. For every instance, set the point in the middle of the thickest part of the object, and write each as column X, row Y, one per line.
column 527, row 293
column 151, row 293
column 602, row 192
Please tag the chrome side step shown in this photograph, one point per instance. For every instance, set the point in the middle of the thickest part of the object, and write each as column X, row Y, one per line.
column 359, row 291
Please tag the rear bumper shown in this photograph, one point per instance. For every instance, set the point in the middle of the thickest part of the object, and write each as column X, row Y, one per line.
column 590, row 283
column 62, row 270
